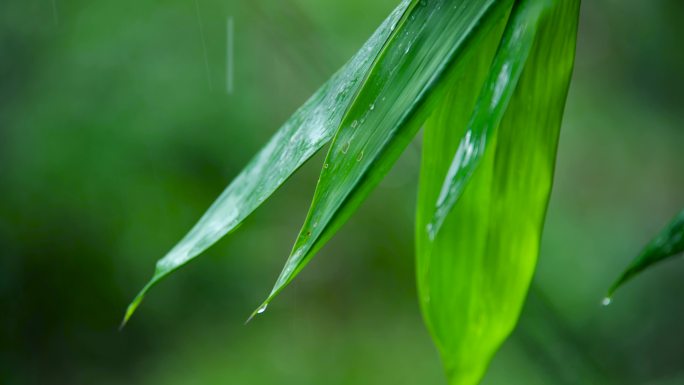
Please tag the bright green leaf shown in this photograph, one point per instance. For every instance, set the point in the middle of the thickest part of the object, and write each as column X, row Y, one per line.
column 668, row 243
column 491, row 105
column 311, row 127
column 474, row 273
column 424, row 51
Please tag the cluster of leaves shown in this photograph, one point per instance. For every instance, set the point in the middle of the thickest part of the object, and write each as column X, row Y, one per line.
column 487, row 79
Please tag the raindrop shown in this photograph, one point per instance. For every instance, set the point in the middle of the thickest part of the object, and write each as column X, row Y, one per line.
column 606, row 301
column 358, row 158
column 325, row 165
column 262, row 309
column 345, row 148
column 372, row 106
column 355, row 124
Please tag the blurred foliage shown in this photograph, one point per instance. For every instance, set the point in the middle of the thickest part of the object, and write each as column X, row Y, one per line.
column 114, row 139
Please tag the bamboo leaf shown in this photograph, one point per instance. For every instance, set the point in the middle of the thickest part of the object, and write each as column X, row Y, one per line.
column 491, row 105
column 475, row 263
column 311, row 127
column 424, row 51
column 667, row 244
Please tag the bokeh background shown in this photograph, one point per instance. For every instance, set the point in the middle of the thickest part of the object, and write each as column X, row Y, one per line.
column 117, row 131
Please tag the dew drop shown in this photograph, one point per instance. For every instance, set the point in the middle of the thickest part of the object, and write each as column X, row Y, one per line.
column 606, row 301
column 358, row 158
column 345, row 148
column 372, row 106
column 262, row 309
column 325, row 165
column 355, row 124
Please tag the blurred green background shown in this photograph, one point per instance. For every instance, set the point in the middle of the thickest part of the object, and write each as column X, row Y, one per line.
column 117, row 132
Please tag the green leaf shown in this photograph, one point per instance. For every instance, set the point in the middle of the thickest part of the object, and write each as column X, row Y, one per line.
column 424, row 51
column 310, row 128
column 478, row 242
column 668, row 243
column 491, row 105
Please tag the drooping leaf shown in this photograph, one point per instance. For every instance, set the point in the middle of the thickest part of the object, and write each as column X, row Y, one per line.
column 309, row 128
column 425, row 50
column 475, row 264
column 491, row 105
column 667, row 244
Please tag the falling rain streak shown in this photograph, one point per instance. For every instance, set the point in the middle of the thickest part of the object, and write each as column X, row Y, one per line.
column 204, row 43
column 55, row 15
column 229, row 55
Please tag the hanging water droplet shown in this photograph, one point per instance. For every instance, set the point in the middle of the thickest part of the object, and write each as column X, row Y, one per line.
column 262, row 309
column 345, row 148
column 606, row 301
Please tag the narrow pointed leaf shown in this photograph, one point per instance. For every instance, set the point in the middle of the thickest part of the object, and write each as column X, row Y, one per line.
column 474, row 273
column 423, row 52
column 311, row 127
column 667, row 244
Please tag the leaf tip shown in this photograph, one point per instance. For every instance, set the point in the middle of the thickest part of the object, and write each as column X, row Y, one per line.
column 259, row 310
column 131, row 309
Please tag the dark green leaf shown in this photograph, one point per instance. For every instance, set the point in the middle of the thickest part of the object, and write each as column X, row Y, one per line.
column 424, row 51
column 311, row 127
column 668, row 243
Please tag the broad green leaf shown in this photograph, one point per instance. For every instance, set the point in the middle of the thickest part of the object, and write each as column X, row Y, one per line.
column 425, row 50
column 491, row 105
column 474, row 273
column 311, row 127
column 667, row 244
